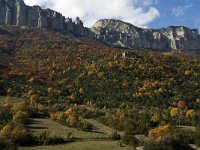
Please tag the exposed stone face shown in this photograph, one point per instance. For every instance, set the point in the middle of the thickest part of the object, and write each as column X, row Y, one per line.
column 15, row 12
column 118, row 33
column 109, row 31
column 21, row 13
column 3, row 10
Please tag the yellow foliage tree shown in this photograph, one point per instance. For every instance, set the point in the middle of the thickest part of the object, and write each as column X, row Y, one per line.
column 101, row 74
column 81, row 90
column 30, row 93
column 50, row 90
column 174, row 112
column 19, row 133
column 71, row 121
column 6, row 131
column 69, row 112
column 155, row 118
column 190, row 113
column 21, row 106
column 34, row 99
column 59, row 116
column 6, row 102
column 187, row 72
column 198, row 100
column 159, row 131
column 73, row 96
column 21, row 117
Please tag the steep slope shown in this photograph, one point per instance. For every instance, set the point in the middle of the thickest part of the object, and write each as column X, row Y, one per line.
column 53, row 67
column 39, row 52
column 122, row 34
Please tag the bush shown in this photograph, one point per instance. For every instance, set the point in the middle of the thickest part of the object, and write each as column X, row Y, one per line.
column 6, row 132
column 44, row 139
column 130, row 139
column 21, row 117
column 72, row 121
column 55, row 140
column 172, row 140
column 19, row 135
column 12, row 136
column 58, row 116
column 85, row 126
column 20, row 106
column 115, row 136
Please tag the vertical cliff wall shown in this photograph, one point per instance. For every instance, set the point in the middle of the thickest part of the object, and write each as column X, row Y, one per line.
column 109, row 31
column 119, row 33
column 16, row 12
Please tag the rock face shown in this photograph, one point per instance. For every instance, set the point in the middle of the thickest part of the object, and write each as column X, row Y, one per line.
column 121, row 34
column 112, row 32
column 16, row 12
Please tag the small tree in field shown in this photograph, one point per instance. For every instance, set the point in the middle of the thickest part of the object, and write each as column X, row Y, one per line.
column 6, row 131
column 21, row 117
column 21, row 106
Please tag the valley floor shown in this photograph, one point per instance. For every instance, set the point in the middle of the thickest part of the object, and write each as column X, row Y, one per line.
column 97, row 139
column 83, row 145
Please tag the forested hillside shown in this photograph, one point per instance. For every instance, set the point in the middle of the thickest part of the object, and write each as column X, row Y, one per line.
column 138, row 90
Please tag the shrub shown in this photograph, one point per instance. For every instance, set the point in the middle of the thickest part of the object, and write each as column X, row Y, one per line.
column 19, row 135
column 115, row 136
column 171, row 140
column 58, row 116
column 44, row 139
column 86, row 126
column 21, row 106
column 6, row 131
column 54, row 140
column 71, row 121
column 159, row 131
column 21, row 117
column 130, row 139
column 69, row 112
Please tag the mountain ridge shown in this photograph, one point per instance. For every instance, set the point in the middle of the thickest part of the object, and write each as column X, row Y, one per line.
column 164, row 39
column 114, row 33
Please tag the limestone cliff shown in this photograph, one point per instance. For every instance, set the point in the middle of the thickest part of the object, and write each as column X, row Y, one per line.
column 16, row 12
column 118, row 33
column 112, row 32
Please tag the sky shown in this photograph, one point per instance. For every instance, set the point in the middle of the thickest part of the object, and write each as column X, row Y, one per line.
column 142, row 13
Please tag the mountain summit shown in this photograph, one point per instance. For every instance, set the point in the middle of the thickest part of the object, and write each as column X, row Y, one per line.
column 114, row 33
column 122, row 34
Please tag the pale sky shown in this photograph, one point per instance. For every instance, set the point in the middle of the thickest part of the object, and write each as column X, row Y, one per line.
column 142, row 13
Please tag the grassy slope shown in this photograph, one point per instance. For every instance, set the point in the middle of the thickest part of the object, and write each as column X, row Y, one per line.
column 89, row 140
column 56, row 129
column 87, row 145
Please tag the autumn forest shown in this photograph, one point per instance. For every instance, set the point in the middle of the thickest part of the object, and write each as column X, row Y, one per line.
column 146, row 99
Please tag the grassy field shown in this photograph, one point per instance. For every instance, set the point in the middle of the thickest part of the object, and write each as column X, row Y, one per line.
column 83, row 145
column 39, row 125
column 95, row 140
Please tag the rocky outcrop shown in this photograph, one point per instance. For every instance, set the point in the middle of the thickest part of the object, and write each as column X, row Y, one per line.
column 121, row 34
column 112, row 32
column 16, row 12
